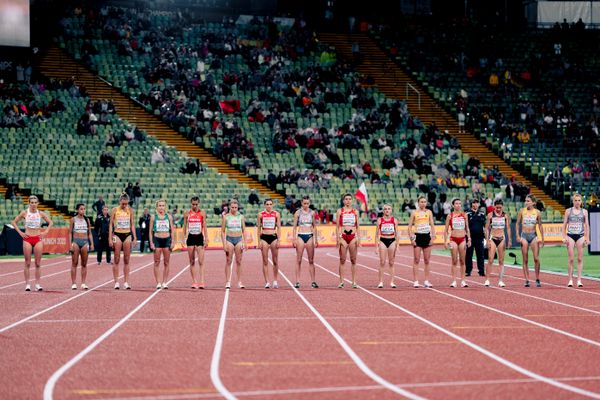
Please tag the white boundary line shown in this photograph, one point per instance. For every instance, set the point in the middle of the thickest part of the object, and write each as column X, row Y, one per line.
column 498, row 288
column 45, row 276
column 507, row 314
column 51, row 383
column 45, row 310
column 42, row 267
column 216, row 356
column 357, row 360
column 478, row 348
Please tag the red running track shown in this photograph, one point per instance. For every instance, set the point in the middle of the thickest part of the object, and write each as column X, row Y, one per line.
column 439, row 344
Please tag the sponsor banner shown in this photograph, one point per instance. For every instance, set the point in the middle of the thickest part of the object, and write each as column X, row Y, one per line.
column 553, row 233
column 57, row 241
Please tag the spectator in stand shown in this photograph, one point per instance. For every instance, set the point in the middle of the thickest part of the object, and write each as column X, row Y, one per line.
column 144, row 224
column 98, row 205
column 137, row 194
column 253, row 197
column 107, row 160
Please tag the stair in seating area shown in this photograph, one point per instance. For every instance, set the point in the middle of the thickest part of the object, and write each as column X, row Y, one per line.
column 395, row 83
column 58, row 64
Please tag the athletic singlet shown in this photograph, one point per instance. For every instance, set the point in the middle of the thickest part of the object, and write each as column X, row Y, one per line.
column 305, row 218
column 458, row 222
column 347, row 219
column 575, row 222
column 122, row 221
column 80, row 225
column 161, row 225
column 387, row 227
column 269, row 219
column 233, row 223
column 195, row 221
column 498, row 222
column 33, row 220
column 529, row 217
column 422, row 222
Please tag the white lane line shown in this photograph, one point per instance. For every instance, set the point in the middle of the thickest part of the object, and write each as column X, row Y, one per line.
column 42, row 267
column 249, row 319
column 333, row 389
column 478, row 348
column 560, row 303
column 45, row 276
column 51, row 383
column 45, row 310
column 357, row 360
column 505, row 313
column 216, row 356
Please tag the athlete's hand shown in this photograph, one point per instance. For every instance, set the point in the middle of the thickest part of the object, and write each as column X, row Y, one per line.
column 23, row 235
column 542, row 243
column 447, row 245
column 91, row 246
column 564, row 239
column 316, row 243
column 294, row 243
column 151, row 247
column 509, row 243
column 111, row 243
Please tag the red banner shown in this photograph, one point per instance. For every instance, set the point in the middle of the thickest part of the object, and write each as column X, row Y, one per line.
column 57, row 241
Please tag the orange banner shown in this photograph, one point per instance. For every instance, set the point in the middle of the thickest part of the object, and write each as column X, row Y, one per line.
column 57, row 241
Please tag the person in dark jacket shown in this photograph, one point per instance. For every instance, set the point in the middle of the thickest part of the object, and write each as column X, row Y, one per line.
column 101, row 227
column 476, row 219
column 144, row 224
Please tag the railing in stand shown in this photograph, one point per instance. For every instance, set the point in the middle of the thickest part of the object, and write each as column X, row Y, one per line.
column 408, row 85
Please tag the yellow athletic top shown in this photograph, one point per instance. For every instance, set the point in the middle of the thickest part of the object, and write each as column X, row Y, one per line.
column 422, row 222
column 122, row 220
column 529, row 217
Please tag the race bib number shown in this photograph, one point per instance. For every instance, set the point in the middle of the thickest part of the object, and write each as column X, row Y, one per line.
column 162, row 225
column 458, row 223
column 388, row 229
column 195, row 228
column 122, row 224
column 348, row 219
column 268, row 222
column 423, row 228
column 575, row 228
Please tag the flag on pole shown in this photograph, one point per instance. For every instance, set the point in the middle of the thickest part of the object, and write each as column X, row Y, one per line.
column 362, row 196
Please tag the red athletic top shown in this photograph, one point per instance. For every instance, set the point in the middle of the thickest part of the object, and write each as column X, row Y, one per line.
column 458, row 222
column 348, row 219
column 387, row 226
column 195, row 221
column 269, row 219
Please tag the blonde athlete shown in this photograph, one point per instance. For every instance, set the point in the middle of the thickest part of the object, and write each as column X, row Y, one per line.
column 457, row 238
column 421, row 230
column 386, row 242
column 122, row 231
column 530, row 217
column 233, row 226
column 196, row 240
column 576, row 234
column 347, row 237
column 161, row 242
column 305, row 237
column 32, row 239
column 496, row 223
column 81, row 243
column 268, row 226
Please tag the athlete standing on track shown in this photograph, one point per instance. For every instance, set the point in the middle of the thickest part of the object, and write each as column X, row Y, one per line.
column 161, row 241
column 196, row 240
column 305, row 237
column 497, row 221
column 421, row 230
column 82, row 242
column 457, row 237
column 233, row 226
column 347, row 237
column 530, row 217
column 576, row 234
column 122, row 232
column 32, row 239
column 386, row 242
column 268, row 226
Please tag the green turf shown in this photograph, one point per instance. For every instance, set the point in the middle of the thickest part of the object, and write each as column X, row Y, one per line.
column 21, row 257
column 552, row 258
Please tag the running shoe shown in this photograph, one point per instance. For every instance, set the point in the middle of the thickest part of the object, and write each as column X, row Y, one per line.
column 468, row 274
column 165, row 286
column 194, row 286
column 501, row 284
column 201, row 286
column 267, row 285
column 341, row 285
column 538, row 283
column 527, row 284
column 416, row 284
column 314, row 285
column 228, row 285
column 117, row 286
column 570, row 284
column 275, row 285
column 74, row 286
column 126, row 286
column 464, row 284
column 297, row 285
column 38, row 287
column 486, row 283
column 427, row 284
column 158, row 286
column 393, row 285
column 453, row 284
column 28, row 288
column 84, row 286
column 241, row 285
column 380, row 286
column 579, row 284
column 354, row 285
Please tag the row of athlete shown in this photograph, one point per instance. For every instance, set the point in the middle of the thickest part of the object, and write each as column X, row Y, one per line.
column 460, row 232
